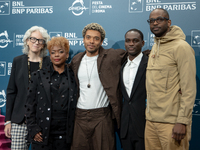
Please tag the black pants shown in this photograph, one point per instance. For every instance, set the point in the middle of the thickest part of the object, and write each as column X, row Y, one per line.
column 55, row 143
column 132, row 141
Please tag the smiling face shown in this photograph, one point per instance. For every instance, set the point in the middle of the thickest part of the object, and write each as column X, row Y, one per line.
column 92, row 42
column 58, row 56
column 159, row 29
column 133, row 44
column 35, row 47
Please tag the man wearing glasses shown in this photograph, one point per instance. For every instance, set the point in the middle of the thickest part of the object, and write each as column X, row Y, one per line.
column 171, row 68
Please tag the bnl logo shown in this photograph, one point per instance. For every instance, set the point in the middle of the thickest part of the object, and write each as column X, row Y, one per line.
column 136, row 6
column 195, row 40
column 4, row 7
column 2, row 68
column 2, row 98
column 55, row 34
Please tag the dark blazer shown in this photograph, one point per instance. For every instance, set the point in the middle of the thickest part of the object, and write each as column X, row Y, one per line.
column 134, row 106
column 38, row 105
column 17, row 88
column 109, row 64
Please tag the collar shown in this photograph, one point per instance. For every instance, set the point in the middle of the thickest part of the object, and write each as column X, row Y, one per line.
column 101, row 51
column 52, row 71
column 136, row 60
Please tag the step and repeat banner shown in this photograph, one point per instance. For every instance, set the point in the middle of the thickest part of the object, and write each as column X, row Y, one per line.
column 68, row 18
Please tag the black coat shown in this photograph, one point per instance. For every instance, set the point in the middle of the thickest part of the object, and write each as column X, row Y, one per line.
column 38, row 105
column 134, row 106
column 17, row 88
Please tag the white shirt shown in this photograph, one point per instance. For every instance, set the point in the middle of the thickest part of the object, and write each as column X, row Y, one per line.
column 95, row 96
column 130, row 71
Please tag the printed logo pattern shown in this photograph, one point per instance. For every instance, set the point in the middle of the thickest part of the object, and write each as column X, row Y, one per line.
column 77, row 7
column 196, row 110
column 135, row 6
column 195, row 40
column 2, row 68
column 4, row 7
column 55, row 34
column 4, row 40
column 2, row 98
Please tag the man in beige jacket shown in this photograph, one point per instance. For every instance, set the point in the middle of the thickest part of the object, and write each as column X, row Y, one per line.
column 171, row 67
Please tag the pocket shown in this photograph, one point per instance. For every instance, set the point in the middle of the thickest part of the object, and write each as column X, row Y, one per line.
column 157, row 79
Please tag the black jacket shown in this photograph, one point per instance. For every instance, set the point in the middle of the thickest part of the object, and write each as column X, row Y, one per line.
column 134, row 106
column 17, row 88
column 38, row 105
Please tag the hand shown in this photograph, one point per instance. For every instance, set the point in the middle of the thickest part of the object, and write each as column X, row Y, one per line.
column 179, row 132
column 7, row 130
column 38, row 137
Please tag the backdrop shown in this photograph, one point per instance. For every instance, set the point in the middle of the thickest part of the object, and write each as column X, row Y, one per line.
column 68, row 17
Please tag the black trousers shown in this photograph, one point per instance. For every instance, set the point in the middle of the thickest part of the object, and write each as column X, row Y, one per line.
column 55, row 143
column 132, row 141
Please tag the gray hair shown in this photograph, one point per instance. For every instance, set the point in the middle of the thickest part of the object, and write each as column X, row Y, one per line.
column 94, row 26
column 28, row 33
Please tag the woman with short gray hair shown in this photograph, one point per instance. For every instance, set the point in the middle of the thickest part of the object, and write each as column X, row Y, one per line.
column 34, row 58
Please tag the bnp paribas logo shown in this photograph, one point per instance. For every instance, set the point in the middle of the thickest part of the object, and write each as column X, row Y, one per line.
column 55, row 34
column 136, row 6
column 4, row 7
column 78, row 7
column 195, row 40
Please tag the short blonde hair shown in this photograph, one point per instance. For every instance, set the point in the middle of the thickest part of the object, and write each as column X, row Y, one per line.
column 58, row 41
column 94, row 26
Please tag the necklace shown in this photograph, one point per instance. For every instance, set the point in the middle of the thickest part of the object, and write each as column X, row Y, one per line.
column 29, row 68
column 89, row 77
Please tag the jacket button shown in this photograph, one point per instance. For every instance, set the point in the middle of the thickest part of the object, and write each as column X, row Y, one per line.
column 129, row 103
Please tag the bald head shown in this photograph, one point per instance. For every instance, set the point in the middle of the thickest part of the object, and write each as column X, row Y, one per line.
column 165, row 13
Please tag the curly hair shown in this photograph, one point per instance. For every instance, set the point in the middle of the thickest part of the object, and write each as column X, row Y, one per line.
column 44, row 34
column 94, row 26
column 58, row 41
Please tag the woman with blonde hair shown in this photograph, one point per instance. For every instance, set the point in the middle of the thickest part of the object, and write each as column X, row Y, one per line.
column 51, row 101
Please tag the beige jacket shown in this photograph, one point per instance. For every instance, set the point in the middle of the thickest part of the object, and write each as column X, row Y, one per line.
column 171, row 67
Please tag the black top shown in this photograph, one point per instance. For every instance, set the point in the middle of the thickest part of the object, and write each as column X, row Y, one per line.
column 40, row 112
column 59, row 105
column 34, row 66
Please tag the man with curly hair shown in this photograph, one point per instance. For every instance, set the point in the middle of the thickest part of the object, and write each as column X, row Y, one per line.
column 99, row 104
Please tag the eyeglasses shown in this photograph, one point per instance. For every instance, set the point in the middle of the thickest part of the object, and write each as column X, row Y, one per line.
column 40, row 41
column 158, row 20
